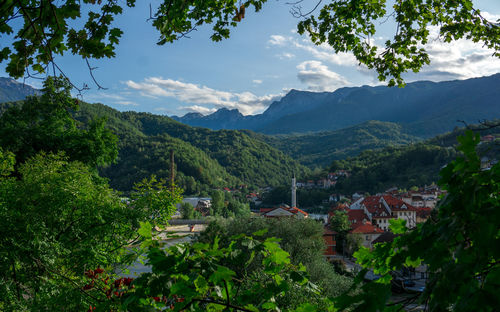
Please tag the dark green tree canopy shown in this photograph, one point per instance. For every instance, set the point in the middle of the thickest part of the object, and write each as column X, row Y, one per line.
column 346, row 25
column 45, row 124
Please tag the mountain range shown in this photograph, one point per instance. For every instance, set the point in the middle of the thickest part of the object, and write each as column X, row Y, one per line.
column 423, row 109
column 11, row 90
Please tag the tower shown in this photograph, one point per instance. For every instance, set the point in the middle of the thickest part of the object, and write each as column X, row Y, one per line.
column 294, row 192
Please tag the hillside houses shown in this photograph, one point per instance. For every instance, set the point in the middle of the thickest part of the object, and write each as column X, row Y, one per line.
column 325, row 183
column 369, row 216
column 379, row 209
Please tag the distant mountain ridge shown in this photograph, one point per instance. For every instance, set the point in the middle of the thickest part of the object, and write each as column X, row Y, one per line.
column 11, row 90
column 423, row 108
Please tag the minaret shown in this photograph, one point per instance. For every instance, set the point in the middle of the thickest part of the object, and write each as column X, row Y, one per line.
column 294, row 192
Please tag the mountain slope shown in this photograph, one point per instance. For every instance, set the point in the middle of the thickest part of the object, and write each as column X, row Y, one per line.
column 423, row 108
column 11, row 90
column 145, row 141
column 321, row 148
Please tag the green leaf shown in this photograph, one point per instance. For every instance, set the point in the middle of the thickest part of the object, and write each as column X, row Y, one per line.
column 145, row 229
column 221, row 274
column 398, row 226
column 260, row 232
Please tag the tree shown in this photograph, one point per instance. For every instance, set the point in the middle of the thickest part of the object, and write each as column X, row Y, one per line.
column 346, row 25
column 57, row 220
column 217, row 202
column 188, row 211
column 45, row 124
column 301, row 239
column 201, row 277
column 455, row 243
column 339, row 223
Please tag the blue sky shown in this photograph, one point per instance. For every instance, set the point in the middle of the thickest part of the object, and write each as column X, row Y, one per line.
column 263, row 59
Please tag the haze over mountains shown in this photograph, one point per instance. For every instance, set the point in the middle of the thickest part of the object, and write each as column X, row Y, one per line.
column 423, row 108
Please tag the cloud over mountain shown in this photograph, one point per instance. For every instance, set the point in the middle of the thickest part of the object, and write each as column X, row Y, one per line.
column 190, row 93
column 318, row 77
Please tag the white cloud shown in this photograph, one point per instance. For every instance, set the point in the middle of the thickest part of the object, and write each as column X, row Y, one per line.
column 322, row 52
column 127, row 103
column 318, row 77
column 278, row 40
column 325, row 53
column 460, row 59
column 286, row 55
column 120, row 99
column 246, row 102
column 494, row 18
column 257, row 81
column 198, row 109
column 147, row 89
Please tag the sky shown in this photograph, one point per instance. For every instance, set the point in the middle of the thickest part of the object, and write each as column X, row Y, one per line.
column 259, row 64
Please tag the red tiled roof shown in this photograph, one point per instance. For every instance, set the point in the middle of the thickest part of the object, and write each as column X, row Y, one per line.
column 396, row 204
column 367, row 228
column 296, row 210
column 293, row 210
column 374, row 205
column 356, row 217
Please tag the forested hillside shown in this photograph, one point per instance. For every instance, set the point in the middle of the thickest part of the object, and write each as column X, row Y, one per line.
column 321, row 148
column 403, row 167
column 414, row 164
column 204, row 158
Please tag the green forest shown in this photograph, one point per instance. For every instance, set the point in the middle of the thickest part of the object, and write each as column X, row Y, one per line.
column 321, row 148
column 65, row 233
column 204, row 159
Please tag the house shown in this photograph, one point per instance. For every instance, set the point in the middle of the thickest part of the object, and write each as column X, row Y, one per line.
column 379, row 209
column 368, row 233
column 283, row 211
column 357, row 217
column 400, row 210
column 203, row 206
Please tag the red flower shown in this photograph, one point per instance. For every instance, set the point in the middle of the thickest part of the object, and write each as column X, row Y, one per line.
column 157, row 299
column 87, row 287
column 99, row 270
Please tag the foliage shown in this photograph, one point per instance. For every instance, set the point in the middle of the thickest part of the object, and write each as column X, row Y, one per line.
column 302, row 239
column 345, row 25
column 321, row 148
column 456, row 244
column 188, row 211
column 376, row 171
column 155, row 200
column 339, row 223
column 199, row 277
column 57, row 220
column 350, row 25
column 45, row 124
column 205, row 159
